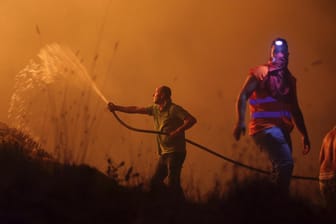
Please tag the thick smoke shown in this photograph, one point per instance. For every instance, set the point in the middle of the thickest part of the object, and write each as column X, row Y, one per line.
column 202, row 50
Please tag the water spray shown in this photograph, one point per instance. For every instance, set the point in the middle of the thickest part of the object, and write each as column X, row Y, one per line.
column 58, row 83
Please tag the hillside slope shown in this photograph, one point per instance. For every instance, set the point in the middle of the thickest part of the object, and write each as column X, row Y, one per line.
column 34, row 188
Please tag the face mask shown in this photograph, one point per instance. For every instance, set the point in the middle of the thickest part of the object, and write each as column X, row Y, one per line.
column 279, row 54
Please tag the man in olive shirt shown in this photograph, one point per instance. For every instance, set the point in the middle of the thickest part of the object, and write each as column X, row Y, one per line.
column 172, row 120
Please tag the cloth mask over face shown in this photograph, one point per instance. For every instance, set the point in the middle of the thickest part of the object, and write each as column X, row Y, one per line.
column 277, row 81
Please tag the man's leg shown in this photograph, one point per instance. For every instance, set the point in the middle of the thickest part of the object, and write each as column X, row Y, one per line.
column 160, row 173
column 328, row 191
column 175, row 162
column 278, row 147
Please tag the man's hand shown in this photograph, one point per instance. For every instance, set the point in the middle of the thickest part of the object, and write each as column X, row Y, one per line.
column 175, row 133
column 306, row 145
column 239, row 130
column 111, row 106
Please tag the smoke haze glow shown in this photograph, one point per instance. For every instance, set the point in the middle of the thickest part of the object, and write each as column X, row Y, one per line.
column 202, row 50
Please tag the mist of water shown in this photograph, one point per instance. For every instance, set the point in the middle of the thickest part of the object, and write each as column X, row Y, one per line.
column 56, row 102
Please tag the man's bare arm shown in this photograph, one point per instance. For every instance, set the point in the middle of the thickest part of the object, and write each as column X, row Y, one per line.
column 188, row 122
column 127, row 109
column 249, row 86
column 299, row 122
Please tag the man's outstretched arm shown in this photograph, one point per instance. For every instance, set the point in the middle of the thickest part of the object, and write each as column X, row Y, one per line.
column 127, row 109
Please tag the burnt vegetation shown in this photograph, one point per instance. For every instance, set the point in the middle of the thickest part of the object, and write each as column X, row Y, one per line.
column 35, row 188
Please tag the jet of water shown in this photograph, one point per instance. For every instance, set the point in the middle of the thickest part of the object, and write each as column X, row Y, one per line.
column 53, row 102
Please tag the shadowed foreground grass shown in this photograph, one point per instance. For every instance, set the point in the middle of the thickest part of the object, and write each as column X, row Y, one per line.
column 36, row 189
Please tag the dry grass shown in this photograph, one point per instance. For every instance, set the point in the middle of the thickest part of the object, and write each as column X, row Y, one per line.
column 36, row 189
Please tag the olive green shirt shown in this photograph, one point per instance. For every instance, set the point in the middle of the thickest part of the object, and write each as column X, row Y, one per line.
column 167, row 120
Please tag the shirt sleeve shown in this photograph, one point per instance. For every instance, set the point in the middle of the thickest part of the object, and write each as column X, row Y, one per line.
column 150, row 110
column 180, row 112
column 260, row 72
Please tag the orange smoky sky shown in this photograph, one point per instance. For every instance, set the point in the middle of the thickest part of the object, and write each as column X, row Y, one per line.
column 201, row 49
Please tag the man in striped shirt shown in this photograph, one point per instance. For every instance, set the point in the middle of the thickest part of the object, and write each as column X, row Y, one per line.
column 273, row 104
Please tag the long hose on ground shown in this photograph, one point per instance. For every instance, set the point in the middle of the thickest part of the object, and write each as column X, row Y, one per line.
column 207, row 150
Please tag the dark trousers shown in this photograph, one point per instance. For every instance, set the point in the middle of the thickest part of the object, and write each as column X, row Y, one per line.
column 169, row 166
column 328, row 191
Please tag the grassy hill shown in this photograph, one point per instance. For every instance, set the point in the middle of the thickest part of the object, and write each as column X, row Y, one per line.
column 34, row 188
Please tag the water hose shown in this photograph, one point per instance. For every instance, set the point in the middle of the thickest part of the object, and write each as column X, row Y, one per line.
column 206, row 149
column 99, row 93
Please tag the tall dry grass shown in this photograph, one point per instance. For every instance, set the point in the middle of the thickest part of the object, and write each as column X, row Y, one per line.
column 38, row 189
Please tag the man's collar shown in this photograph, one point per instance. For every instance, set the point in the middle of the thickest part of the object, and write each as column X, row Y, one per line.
column 165, row 106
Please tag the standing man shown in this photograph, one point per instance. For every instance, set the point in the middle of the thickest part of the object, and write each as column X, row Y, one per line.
column 273, row 104
column 327, row 175
column 172, row 120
